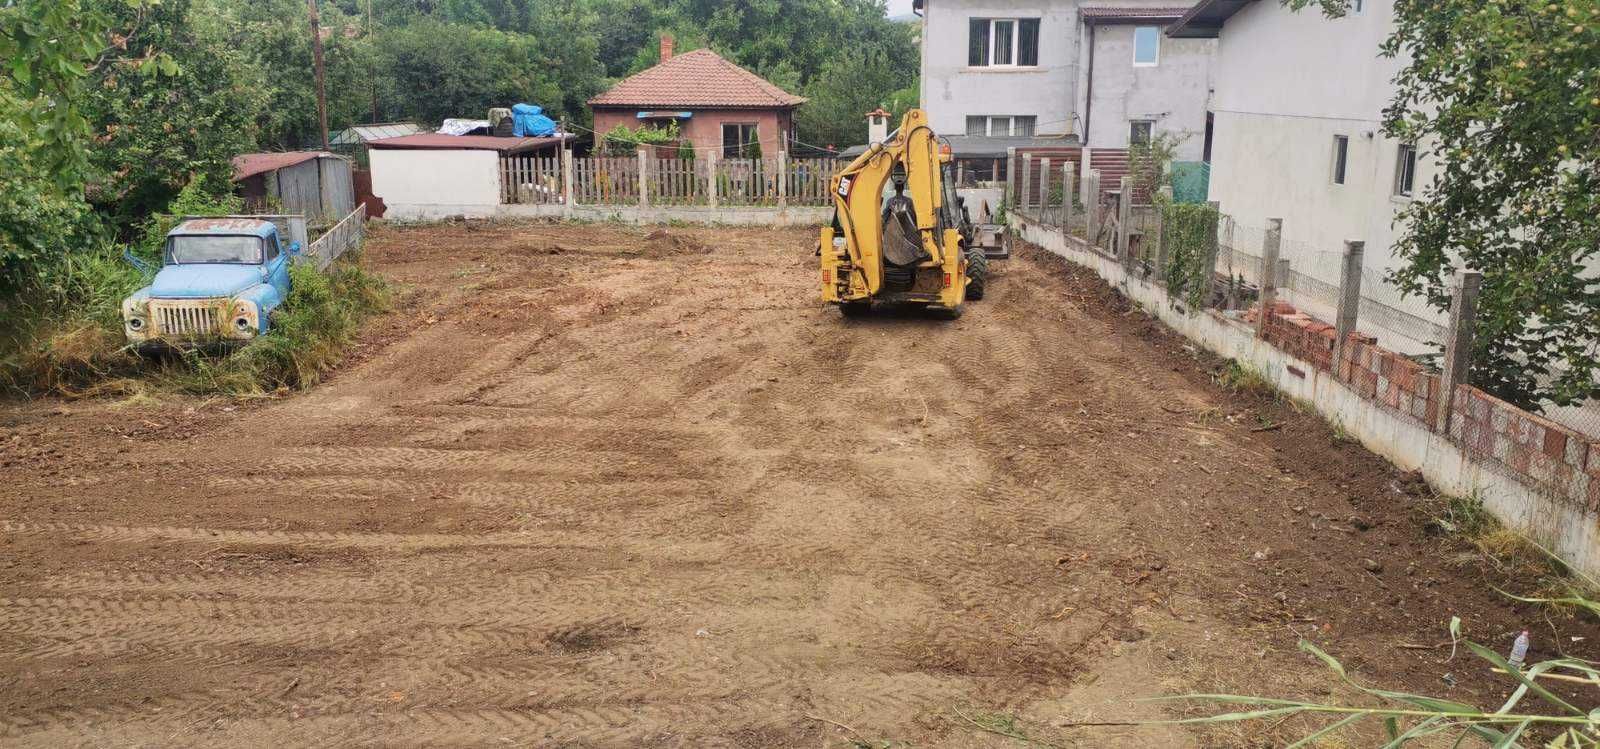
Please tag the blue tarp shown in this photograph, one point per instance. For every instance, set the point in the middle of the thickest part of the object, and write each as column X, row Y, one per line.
column 528, row 120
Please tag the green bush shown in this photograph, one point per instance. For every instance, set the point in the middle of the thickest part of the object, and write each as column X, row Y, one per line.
column 1189, row 231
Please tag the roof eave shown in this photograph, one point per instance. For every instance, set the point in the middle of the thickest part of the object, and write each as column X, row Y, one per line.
column 1205, row 19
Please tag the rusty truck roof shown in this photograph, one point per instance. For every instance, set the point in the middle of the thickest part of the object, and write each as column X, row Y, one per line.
column 226, row 225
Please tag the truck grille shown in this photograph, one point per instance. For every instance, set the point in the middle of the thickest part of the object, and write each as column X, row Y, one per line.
column 187, row 318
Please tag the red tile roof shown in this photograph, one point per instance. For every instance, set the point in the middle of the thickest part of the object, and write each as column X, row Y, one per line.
column 249, row 165
column 701, row 79
column 442, row 142
column 1123, row 13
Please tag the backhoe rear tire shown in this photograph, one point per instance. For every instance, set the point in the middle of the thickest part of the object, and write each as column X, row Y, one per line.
column 977, row 272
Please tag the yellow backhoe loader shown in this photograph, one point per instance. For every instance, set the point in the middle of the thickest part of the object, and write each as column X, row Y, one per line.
column 903, row 245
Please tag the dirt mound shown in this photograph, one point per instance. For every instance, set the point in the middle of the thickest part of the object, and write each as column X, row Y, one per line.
column 662, row 243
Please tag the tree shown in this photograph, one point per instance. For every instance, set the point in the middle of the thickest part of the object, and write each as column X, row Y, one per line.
column 1504, row 97
column 853, row 84
column 155, row 135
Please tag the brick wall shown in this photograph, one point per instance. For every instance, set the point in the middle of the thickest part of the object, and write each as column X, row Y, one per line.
column 1537, row 451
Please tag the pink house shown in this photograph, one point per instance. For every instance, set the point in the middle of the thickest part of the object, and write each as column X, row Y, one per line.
column 716, row 104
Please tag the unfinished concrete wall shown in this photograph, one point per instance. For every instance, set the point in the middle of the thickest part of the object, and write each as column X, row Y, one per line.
column 1173, row 93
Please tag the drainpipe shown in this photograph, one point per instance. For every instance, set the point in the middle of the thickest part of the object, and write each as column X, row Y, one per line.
column 1088, row 89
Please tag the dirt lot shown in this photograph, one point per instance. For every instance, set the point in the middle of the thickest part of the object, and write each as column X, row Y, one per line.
column 594, row 487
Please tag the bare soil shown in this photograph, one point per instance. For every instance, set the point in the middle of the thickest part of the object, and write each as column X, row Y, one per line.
column 602, row 486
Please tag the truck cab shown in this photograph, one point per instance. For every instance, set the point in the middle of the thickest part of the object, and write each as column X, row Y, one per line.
column 220, row 280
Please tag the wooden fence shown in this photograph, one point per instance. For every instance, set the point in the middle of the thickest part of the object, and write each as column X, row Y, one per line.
column 341, row 238
column 640, row 180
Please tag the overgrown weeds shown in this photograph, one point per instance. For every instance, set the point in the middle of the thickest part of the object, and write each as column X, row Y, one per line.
column 1245, row 381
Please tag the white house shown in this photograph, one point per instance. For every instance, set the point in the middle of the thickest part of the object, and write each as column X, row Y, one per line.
column 1297, row 128
column 1067, row 72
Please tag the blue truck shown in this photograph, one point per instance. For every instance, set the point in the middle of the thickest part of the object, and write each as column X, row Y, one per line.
column 220, row 280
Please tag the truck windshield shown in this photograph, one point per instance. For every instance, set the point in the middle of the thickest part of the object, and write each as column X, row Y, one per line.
column 214, row 248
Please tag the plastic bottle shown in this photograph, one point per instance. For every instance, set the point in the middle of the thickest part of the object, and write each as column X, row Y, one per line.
column 1519, row 651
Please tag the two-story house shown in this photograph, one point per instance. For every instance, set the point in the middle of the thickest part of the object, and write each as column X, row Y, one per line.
column 1002, row 72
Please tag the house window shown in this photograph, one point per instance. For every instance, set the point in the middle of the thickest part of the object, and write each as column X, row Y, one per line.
column 1146, row 45
column 1003, row 42
column 1405, row 170
column 1141, row 132
column 1341, row 152
column 1001, row 125
column 738, row 139
column 1356, row 6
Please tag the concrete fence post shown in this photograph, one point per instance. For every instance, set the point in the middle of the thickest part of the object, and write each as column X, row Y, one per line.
column 711, row 180
column 644, row 179
column 1458, row 342
column 1011, row 179
column 1124, row 217
column 1067, row 197
column 1092, row 221
column 1025, row 200
column 1044, row 190
column 1085, row 166
column 567, row 195
column 1269, row 272
column 1344, row 322
column 783, row 179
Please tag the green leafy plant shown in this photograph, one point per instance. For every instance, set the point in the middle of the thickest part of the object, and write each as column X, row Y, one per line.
column 1189, row 232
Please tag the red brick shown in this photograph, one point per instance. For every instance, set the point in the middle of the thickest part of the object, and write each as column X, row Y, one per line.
column 1593, row 505
column 1520, row 457
column 1555, row 444
column 1427, row 384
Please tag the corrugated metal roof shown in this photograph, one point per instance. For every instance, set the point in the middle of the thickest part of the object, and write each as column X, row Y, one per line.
column 250, row 164
column 439, row 141
column 700, row 79
column 1112, row 14
column 359, row 134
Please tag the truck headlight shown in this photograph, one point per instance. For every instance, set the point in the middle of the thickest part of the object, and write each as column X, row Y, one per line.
column 135, row 323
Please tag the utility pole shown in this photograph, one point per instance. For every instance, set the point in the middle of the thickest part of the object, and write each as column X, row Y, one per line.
column 316, row 55
column 372, row 72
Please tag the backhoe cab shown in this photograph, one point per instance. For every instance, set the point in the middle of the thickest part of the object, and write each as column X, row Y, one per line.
column 896, row 233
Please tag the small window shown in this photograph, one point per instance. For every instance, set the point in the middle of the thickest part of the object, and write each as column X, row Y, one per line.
column 1023, row 126
column 1146, row 45
column 977, row 125
column 1341, row 152
column 1356, row 6
column 272, row 249
column 1405, row 170
column 999, row 126
column 1141, row 132
column 1003, row 42
column 739, row 139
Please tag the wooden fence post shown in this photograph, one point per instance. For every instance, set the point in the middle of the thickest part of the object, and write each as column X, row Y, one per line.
column 1124, row 217
column 1458, row 342
column 1344, row 322
column 783, row 179
column 1269, row 270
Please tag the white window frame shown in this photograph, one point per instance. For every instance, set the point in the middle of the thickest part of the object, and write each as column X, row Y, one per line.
column 1405, row 167
column 1357, row 6
column 1016, row 42
column 1340, row 173
column 1155, row 30
column 989, row 121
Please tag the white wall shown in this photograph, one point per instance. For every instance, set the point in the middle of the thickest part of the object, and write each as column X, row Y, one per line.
column 420, row 184
column 951, row 90
column 1174, row 92
column 1286, row 83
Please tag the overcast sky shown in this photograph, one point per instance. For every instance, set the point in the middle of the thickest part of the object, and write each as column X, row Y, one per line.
column 899, row 7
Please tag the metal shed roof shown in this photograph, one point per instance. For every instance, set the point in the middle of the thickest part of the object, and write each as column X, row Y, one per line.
column 352, row 136
column 248, row 165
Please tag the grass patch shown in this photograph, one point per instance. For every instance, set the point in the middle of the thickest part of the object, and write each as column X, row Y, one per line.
column 1245, row 381
column 80, row 350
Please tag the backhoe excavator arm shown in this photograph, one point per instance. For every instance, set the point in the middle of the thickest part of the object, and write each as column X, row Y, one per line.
column 858, row 198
